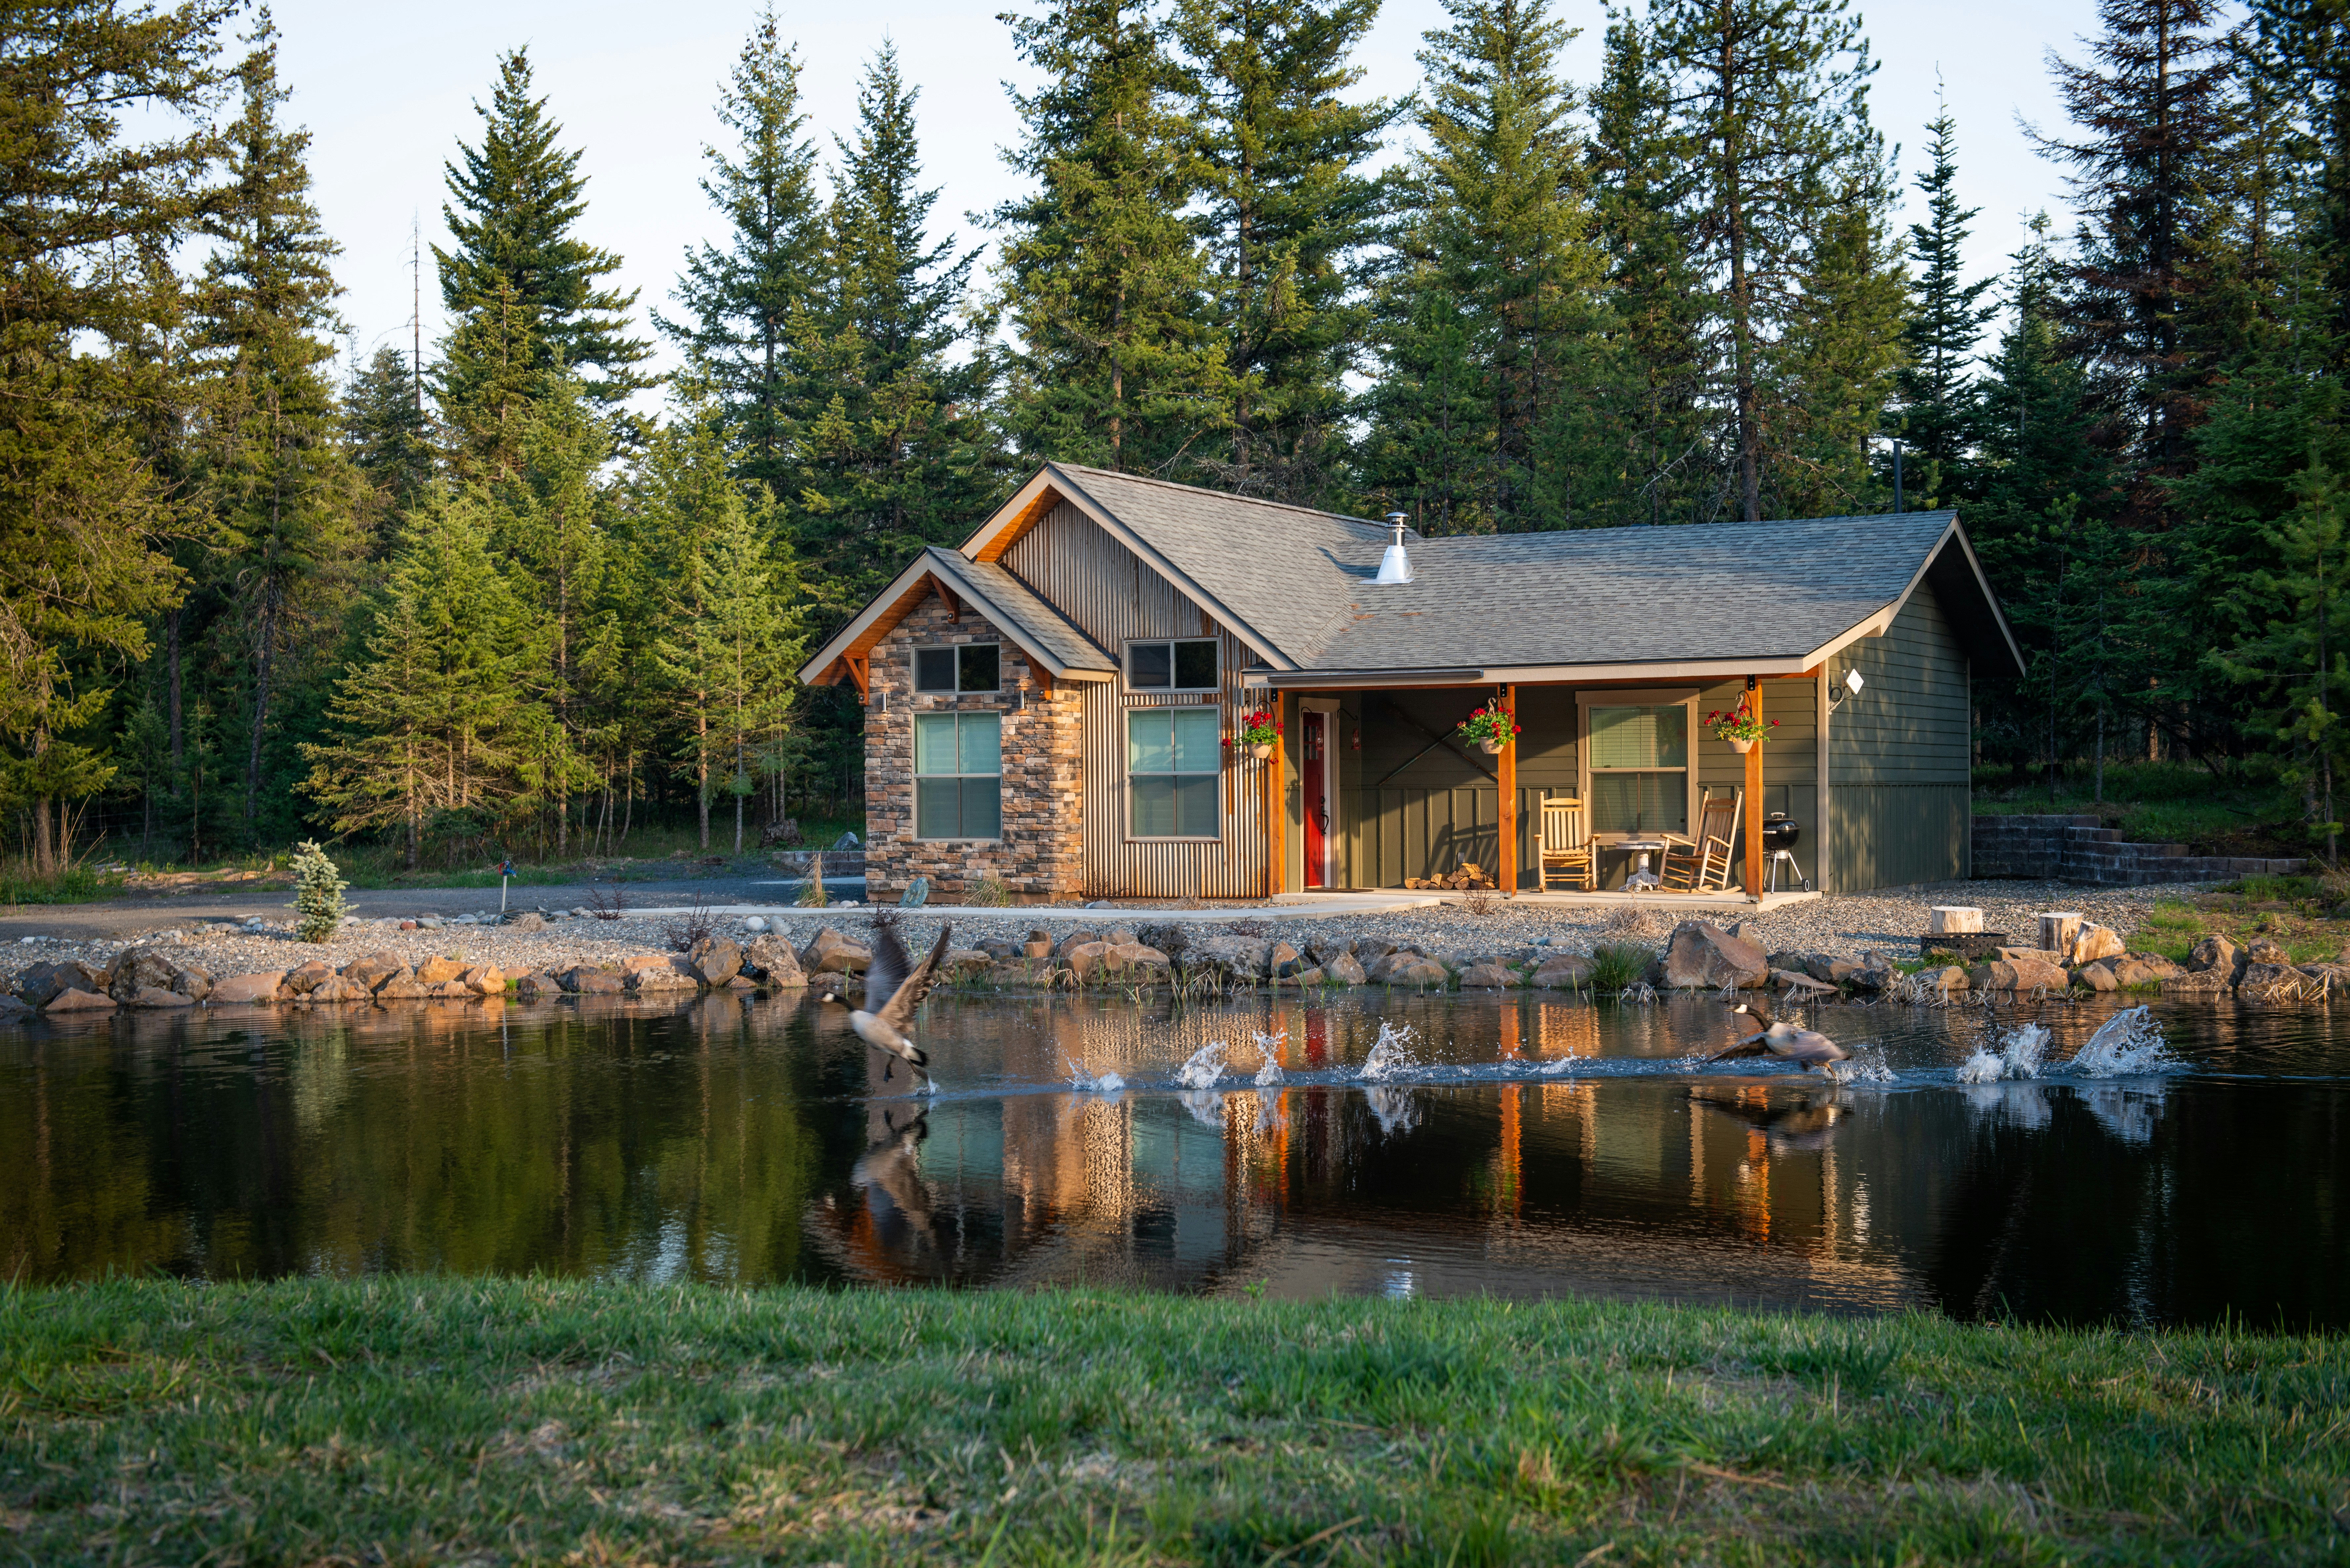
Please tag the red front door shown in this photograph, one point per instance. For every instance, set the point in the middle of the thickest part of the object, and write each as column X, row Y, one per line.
column 1315, row 770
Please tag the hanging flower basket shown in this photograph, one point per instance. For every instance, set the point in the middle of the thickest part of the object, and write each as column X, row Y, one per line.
column 1740, row 728
column 1491, row 727
column 1256, row 732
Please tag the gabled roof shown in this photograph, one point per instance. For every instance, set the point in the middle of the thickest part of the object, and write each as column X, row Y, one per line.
column 1295, row 585
column 1046, row 636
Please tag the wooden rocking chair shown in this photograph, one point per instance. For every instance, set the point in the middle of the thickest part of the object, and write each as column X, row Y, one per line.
column 1566, row 852
column 1702, row 865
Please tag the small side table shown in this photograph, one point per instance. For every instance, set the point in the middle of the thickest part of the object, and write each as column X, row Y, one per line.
column 1642, row 879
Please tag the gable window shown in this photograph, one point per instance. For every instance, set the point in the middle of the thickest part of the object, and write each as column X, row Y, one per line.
column 1173, row 756
column 1179, row 664
column 959, row 776
column 1639, row 764
column 967, row 667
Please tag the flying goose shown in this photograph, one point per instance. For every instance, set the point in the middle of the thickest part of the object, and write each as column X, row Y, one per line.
column 889, row 1026
column 1807, row 1047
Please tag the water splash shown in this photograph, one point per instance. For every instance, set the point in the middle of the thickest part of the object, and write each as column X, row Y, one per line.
column 1390, row 1054
column 1552, row 1069
column 1866, row 1065
column 2019, row 1057
column 1269, row 1047
column 1398, row 1110
column 1086, row 1082
column 2129, row 1041
column 1205, row 1066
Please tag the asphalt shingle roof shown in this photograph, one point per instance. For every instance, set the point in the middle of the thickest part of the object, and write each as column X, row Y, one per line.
column 1008, row 599
column 1302, row 579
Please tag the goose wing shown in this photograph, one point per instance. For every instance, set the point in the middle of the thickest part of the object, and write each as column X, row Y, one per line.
column 887, row 972
column 1753, row 1045
column 1813, row 1048
column 899, row 1011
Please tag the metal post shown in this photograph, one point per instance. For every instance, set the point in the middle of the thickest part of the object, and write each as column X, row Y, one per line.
column 1896, row 476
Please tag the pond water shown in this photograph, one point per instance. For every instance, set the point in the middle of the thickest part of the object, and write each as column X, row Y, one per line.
column 1441, row 1146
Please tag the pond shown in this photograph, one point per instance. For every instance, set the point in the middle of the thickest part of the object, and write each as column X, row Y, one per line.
column 1526, row 1146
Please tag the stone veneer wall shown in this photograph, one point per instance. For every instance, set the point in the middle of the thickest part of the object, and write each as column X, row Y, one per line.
column 1042, row 847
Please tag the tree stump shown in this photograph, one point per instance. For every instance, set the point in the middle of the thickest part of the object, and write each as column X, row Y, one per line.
column 2058, row 932
column 1950, row 919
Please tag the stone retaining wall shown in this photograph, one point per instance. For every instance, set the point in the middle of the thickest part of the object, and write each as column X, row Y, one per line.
column 2067, row 848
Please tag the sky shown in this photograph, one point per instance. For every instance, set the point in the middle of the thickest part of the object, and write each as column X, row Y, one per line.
column 387, row 91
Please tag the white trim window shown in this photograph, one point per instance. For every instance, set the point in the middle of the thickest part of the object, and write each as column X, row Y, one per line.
column 959, row 776
column 1637, row 757
column 959, row 667
column 1174, row 757
column 1174, row 664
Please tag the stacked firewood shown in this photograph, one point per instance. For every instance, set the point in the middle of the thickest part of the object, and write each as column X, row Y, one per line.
column 1468, row 876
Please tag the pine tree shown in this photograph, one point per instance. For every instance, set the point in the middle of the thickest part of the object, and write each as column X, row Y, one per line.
column 738, row 299
column 79, row 501
column 1946, row 320
column 1837, row 363
column 1773, row 103
column 2289, row 650
column 519, row 284
column 431, row 721
column 318, row 894
column 1646, row 439
column 1289, row 220
column 1117, row 360
column 390, row 440
column 276, row 476
column 896, row 448
column 1502, row 232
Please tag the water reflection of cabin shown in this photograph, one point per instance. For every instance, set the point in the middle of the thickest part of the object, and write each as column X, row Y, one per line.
column 1054, row 701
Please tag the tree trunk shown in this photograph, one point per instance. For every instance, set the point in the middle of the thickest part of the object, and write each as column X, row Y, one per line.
column 266, row 644
column 171, row 684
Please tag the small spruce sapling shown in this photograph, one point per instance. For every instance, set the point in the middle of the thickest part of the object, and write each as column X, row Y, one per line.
column 318, row 894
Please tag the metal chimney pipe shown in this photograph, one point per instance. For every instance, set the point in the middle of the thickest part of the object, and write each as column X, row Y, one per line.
column 1395, row 566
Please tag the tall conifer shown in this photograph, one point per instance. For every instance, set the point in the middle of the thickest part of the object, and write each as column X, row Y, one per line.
column 1289, row 220
column 521, row 287
column 389, row 438
column 1946, row 319
column 1118, row 360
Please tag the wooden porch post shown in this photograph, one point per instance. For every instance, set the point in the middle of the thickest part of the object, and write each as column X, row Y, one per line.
column 1276, row 817
column 1754, row 798
column 1507, row 871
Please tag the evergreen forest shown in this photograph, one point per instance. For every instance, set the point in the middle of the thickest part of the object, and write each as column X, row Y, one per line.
column 534, row 588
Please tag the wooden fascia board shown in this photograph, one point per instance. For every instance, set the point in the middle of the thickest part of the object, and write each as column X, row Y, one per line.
column 868, row 627
column 1535, row 674
column 1104, row 519
column 1003, row 528
column 1949, row 535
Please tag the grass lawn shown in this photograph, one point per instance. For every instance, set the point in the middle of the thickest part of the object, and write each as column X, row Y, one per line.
column 2247, row 813
column 413, row 1420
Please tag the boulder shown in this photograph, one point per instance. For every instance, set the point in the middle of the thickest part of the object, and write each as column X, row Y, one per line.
column 1951, row 977
column 583, row 981
column 1798, row 981
column 2037, row 955
column 2097, row 977
column 534, row 986
column 1307, row 977
column 158, row 996
column 41, row 983
column 1829, row 969
column 2018, row 974
column 439, row 971
column 663, row 976
column 1487, row 977
column 304, row 978
column 485, row 979
column 530, row 920
column 247, row 988
column 2096, row 942
column 1077, row 938
column 963, row 960
column 2214, row 952
column 1875, row 974
column 2259, row 977
column 916, row 893
column 1702, row 956
column 1369, row 950
column 2265, row 951
column 1322, row 949
column 1121, row 935
column 1282, row 962
column 1038, row 945
column 1239, row 958
column 374, row 969
column 191, row 982
column 77, row 1000
column 335, row 988
column 770, row 958
column 716, row 961
column 1085, row 959
column 1567, row 972
column 829, row 952
column 11, row 1010
column 1170, row 937
column 135, row 970
column 1138, row 958
column 1342, row 970
column 1415, row 971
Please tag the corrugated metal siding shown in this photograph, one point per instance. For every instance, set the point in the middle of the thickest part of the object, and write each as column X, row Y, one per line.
column 1108, row 590
column 1897, row 754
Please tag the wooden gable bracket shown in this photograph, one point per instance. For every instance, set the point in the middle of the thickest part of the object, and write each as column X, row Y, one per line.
column 947, row 597
column 859, row 672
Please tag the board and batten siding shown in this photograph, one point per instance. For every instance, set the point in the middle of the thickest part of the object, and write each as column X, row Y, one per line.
column 1113, row 596
column 1897, row 755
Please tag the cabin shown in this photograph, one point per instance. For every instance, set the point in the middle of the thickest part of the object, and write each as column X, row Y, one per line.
column 1055, row 703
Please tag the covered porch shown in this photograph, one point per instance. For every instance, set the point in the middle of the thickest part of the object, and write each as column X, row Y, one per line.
column 1380, row 788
